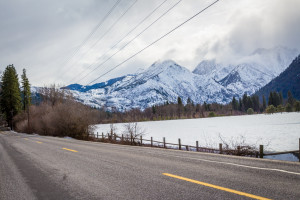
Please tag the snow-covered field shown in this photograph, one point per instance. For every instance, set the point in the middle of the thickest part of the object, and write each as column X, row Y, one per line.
column 279, row 132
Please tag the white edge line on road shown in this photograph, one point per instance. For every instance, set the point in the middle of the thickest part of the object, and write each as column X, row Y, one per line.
column 204, row 160
column 228, row 163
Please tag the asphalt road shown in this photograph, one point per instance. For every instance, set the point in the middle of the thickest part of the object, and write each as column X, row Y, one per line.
column 39, row 167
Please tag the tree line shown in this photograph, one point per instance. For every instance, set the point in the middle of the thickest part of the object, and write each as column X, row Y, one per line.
column 169, row 110
column 13, row 98
column 276, row 103
column 56, row 112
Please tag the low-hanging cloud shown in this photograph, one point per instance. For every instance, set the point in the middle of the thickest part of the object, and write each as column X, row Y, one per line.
column 274, row 25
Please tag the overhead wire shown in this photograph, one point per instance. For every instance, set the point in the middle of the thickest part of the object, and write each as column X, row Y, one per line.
column 140, row 33
column 108, row 30
column 155, row 41
column 128, row 33
column 92, row 32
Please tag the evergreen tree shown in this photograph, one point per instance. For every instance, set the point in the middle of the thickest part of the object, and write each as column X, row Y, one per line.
column 180, row 107
column 240, row 104
column 276, row 99
column 270, row 101
column 290, row 98
column 255, row 102
column 153, row 110
column 10, row 95
column 234, row 104
column 25, row 91
column 249, row 103
column 189, row 101
column 264, row 103
column 244, row 102
column 280, row 98
column 179, row 101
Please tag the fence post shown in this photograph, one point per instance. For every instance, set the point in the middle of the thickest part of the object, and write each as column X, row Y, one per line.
column 220, row 148
column 164, row 139
column 197, row 146
column 299, row 150
column 97, row 135
column 261, row 151
column 238, row 150
column 141, row 137
column 187, row 147
column 122, row 138
column 115, row 137
column 151, row 141
column 179, row 144
column 102, row 136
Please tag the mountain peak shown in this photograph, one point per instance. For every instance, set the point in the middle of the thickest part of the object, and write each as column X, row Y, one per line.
column 163, row 64
column 205, row 67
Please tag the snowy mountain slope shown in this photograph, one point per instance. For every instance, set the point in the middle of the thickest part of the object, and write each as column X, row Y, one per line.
column 251, row 72
column 165, row 81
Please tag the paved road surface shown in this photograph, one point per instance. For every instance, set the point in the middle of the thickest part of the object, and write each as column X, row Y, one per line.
column 39, row 167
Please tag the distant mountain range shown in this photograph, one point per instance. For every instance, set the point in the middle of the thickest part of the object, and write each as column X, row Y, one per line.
column 209, row 82
column 288, row 80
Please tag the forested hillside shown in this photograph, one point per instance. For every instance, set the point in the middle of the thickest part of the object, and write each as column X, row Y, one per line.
column 288, row 80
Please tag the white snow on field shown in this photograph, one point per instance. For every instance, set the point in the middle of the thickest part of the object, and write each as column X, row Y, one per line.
column 279, row 132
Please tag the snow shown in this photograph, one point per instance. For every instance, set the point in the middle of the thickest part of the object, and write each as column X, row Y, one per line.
column 210, row 82
column 278, row 132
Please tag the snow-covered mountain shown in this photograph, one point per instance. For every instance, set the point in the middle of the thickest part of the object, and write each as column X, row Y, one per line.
column 209, row 82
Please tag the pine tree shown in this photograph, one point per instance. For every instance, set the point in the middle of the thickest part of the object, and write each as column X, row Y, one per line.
column 25, row 91
column 10, row 94
column 255, row 102
column 245, row 102
column 280, row 98
column 189, row 101
column 234, row 104
column 290, row 98
column 276, row 99
column 264, row 103
column 179, row 101
column 270, row 101
column 240, row 105
column 180, row 107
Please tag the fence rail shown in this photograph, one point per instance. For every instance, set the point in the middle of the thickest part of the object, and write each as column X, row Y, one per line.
column 239, row 151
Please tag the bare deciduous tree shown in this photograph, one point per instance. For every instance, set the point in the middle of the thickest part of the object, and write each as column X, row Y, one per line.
column 133, row 131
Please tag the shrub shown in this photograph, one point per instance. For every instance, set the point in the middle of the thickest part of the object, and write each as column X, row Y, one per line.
column 288, row 108
column 250, row 111
column 271, row 109
column 133, row 132
column 280, row 108
column 65, row 117
column 297, row 106
column 212, row 114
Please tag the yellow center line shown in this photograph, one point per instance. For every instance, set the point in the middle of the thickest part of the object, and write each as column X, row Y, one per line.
column 70, row 150
column 26, row 139
column 38, row 142
column 216, row 187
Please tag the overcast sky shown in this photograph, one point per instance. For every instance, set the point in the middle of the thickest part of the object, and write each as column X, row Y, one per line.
column 45, row 37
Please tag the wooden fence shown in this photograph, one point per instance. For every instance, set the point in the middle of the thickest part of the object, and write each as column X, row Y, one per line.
column 140, row 141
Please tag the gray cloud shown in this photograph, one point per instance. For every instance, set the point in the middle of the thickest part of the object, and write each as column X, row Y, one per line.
column 42, row 35
column 277, row 23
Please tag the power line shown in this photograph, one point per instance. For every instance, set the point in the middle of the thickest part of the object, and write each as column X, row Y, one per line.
column 132, row 39
column 157, row 40
column 91, row 33
column 103, row 55
column 108, row 30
